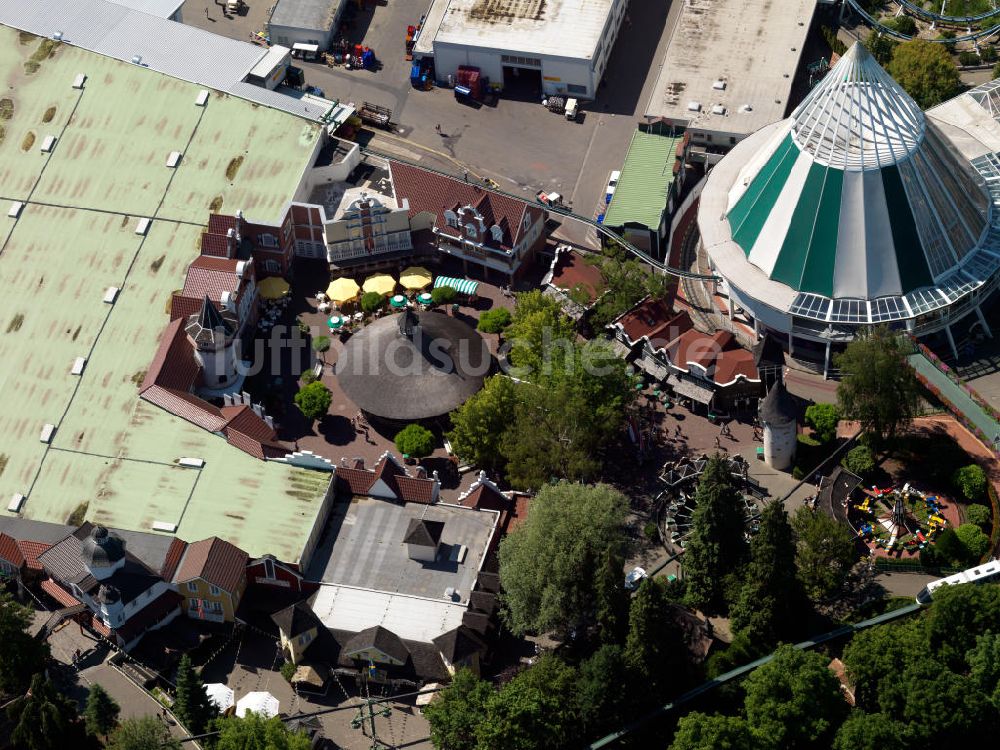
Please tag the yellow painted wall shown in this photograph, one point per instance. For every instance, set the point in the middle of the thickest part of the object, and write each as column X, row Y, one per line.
column 229, row 603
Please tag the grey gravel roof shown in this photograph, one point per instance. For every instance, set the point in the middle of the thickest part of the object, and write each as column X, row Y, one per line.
column 26, row 530
column 306, row 14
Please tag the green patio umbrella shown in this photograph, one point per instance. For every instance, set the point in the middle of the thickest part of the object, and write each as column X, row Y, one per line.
column 425, row 298
column 398, row 301
column 335, row 322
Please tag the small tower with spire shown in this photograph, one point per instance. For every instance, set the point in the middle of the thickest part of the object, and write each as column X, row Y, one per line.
column 214, row 337
column 777, row 414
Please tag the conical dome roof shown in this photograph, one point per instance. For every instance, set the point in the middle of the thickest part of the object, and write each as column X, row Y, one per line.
column 856, row 195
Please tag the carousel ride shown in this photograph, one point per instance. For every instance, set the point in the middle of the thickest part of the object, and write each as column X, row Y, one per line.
column 680, row 479
column 897, row 520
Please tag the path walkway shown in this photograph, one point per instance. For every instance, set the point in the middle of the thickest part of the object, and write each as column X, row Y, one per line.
column 955, row 394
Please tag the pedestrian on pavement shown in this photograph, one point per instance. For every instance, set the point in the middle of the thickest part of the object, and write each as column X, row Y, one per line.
column 438, row 129
column 206, row 11
column 677, row 431
column 717, row 443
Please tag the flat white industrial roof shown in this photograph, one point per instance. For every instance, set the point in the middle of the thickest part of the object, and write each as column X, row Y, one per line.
column 412, row 618
column 751, row 45
column 159, row 8
column 167, row 47
column 560, row 28
column 268, row 62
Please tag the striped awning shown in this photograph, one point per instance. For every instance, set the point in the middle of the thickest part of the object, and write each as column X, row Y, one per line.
column 462, row 286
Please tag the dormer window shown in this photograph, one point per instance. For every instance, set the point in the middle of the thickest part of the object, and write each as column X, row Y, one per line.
column 497, row 233
column 267, row 240
column 451, row 218
column 470, row 229
column 527, row 220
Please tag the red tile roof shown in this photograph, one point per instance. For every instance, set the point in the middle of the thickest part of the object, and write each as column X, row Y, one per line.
column 410, row 489
column 416, row 490
column 222, row 223
column 520, row 514
column 357, row 481
column 58, row 593
column 213, row 560
column 186, row 406
column 10, row 552
column 248, row 432
column 654, row 320
column 723, row 359
column 216, row 245
column 572, row 270
column 484, row 495
column 434, row 193
column 211, row 277
column 173, row 365
column 31, row 551
column 174, row 554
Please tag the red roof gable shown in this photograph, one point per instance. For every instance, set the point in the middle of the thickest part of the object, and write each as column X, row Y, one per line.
column 654, row 320
column 216, row 245
column 411, row 489
column 434, row 193
column 173, row 365
column 222, row 223
column 10, row 552
column 572, row 270
column 719, row 351
column 248, row 432
column 416, row 490
column 214, row 560
column 211, row 277
column 31, row 551
column 58, row 593
column 174, row 553
column 357, row 481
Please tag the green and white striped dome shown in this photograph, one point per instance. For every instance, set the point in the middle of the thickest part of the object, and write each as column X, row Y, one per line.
column 857, row 195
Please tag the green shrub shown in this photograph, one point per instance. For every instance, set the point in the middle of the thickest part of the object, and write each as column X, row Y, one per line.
column 495, row 320
column 823, row 418
column 371, row 301
column 979, row 515
column 988, row 54
column 975, row 542
column 415, row 441
column 442, row 295
column 797, row 472
column 903, row 24
column 996, row 70
column 970, row 481
column 860, row 460
column 309, row 376
column 966, row 59
column 649, row 530
column 287, row 670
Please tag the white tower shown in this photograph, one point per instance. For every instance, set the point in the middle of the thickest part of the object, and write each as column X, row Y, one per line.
column 214, row 336
column 777, row 414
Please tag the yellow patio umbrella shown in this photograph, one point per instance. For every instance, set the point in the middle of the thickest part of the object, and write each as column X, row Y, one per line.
column 342, row 290
column 381, row 283
column 415, row 277
column 273, row 287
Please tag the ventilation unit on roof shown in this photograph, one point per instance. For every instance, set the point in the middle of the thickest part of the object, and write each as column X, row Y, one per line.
column 16, row 501
column 694, row 106
column 746, row 108
column 191, row 463
column 458, row 553
column 241, row 268
column 719, row 85
column 78, row 364
column 137, row 59
column 47, row 432
column 57, row 35
column 202, row 99
column 48, row 144
column 226, row 300
column 174, row 159
column 166, row 526
column 15, row 209
column 81, row 78
column 718, row 109
column 110, row 295
column 141, row 226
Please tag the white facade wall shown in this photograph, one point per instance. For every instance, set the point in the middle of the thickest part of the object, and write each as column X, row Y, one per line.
column 287, row 36
column 421, row 552
column 779, row 444
column 560, row 70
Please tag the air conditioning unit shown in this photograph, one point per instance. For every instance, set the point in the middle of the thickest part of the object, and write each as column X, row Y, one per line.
column 191, row 463
column 57, row 35
column 78, row 364
column 142, row 225
column 15, row 209
column 16, row 501
column 202, row 99
column 47, row 432
column 48, row 144
column 174, row 159
column 718, row 109
column 80, row 79
column 241, row 268
column 719, row 85
column 137, row 59
column 694, row 106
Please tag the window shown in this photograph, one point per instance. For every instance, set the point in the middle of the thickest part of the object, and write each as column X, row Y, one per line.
column 470, row 230
column 214, row 590
column 497, row 233
column 450, row 218
column 192, row 604
column 267, row 240
column 305, row 638
column 272, row 266
column 192, row 586
column 527, row 220
column 217, row 606
column 268, row 568
column 574, row 88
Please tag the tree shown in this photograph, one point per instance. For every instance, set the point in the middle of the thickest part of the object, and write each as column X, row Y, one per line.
column 794, row 700
column 976, row 543
column 313, row 400
column 979, row 515
column 457, row 711
column 654, row 648
column 602, row 690
column 863, row 731
column 548, row 565
column 770, row 598
column 925, row 70
column 142, row 733
column 321, row 345
column 534, row 711
column 372, row 301
column 824, row 553
column 612, row 599
column 970, row 481
column 881, row 47
column 984, row 665
column 191, row 704
column 415, row 441
column 254, row 732
column 716, row 546
column 698, row 731
column 626, row 282
column 478, row 426
column 540, row 335
column 443, row 295
column 877, row 387
column 20, row 655
column 959, row 615
column 823, row 418
column 495, row 320
column 876, row 656
column 44, row 719
column 101, row 713
column 860, row 460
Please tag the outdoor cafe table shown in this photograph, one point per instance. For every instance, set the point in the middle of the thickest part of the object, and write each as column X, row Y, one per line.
column 335, row 322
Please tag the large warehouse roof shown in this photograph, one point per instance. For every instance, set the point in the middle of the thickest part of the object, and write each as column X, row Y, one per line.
column 160, row 8
column 751, row 46
column 165, row 46
column 559, row 28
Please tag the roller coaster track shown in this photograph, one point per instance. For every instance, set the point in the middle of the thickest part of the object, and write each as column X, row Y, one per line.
column 927, row 15
column 601, row 229
column 931, row 16
column 740, row 672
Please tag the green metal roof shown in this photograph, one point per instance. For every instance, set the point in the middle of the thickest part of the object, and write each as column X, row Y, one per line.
column 648, row 173
column 112, row 450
